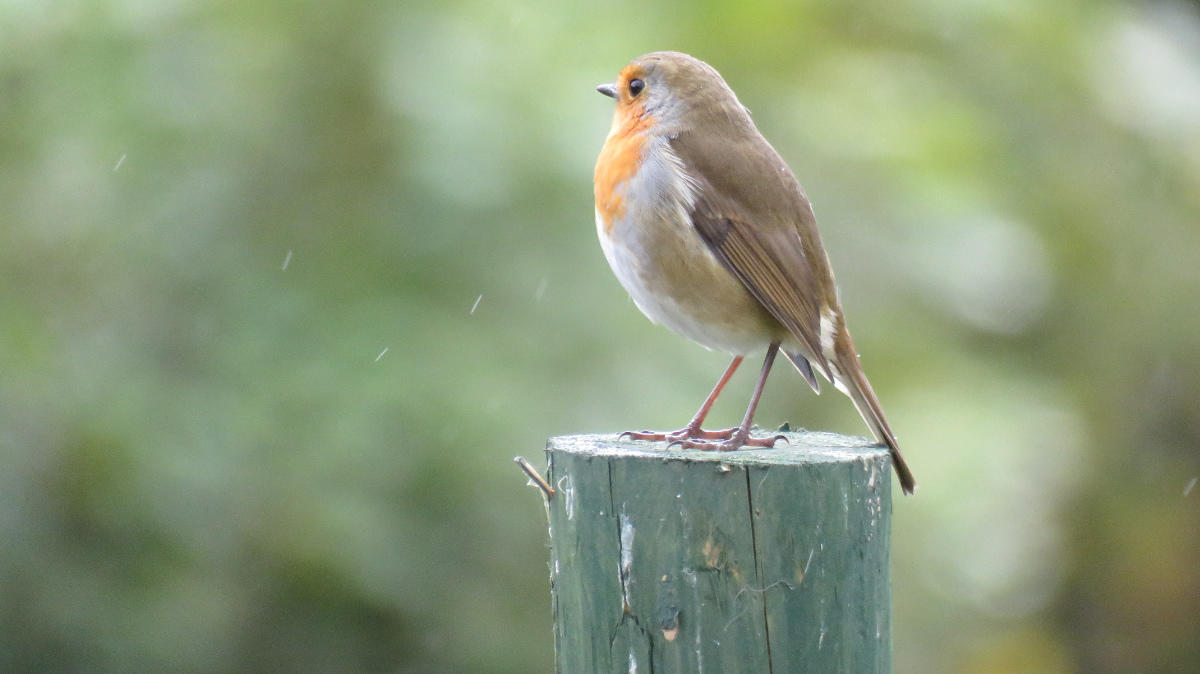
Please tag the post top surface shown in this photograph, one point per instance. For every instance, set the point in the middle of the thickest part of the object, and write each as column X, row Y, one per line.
column 802, row 447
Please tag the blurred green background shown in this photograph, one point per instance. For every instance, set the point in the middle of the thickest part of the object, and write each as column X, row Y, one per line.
column 286, row 285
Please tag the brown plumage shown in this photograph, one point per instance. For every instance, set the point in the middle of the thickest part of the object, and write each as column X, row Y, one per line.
column 710, row 232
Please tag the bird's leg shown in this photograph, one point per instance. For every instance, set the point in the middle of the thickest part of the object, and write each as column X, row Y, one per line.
column 741, row 436
column 693, row 430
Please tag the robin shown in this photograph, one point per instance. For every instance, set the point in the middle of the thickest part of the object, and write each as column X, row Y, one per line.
column 708, row 230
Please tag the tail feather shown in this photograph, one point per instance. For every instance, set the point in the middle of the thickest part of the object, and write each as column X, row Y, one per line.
column 851, row 380
column 805, row 369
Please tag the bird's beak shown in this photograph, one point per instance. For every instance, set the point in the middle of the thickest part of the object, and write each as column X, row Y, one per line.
column 609, row 90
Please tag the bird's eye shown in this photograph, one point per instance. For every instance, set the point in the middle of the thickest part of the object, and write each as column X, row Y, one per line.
column 635, row 87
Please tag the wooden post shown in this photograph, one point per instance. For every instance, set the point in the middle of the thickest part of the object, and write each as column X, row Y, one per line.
column 760, row 560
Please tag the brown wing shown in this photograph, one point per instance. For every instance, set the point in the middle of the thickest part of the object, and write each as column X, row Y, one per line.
column 757, row 221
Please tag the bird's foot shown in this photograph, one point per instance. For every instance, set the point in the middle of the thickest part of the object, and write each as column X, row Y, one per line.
column 684, row 434
column 695, row 438
column 738, row 439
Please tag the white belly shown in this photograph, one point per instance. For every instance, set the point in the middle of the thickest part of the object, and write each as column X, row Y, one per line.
column 670, row 272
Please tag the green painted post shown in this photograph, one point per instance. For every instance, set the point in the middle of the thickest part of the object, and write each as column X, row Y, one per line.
column 760, row 560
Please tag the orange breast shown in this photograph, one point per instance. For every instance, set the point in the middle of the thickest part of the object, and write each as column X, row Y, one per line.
column 619, row 161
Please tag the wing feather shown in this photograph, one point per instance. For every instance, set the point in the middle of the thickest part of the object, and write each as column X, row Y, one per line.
column 773, row 248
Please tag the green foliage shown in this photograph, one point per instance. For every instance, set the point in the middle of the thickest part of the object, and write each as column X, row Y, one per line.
column 217, row 217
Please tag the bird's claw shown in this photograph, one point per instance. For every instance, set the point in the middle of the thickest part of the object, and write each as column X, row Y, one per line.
column 681, row 436
column 694, row 438
column 643, row 435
